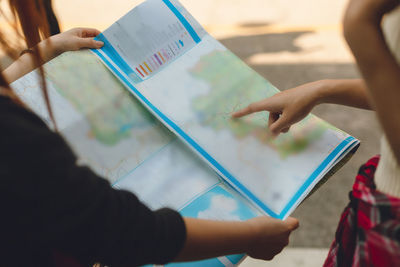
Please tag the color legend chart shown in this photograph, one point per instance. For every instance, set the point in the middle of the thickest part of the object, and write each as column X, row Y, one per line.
column 148, row 38
column 162, row 55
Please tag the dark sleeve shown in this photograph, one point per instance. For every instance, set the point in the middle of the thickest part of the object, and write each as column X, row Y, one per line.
column 54, row 203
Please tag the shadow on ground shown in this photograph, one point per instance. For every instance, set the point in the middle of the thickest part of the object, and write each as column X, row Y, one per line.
column 320, row 213
column 246, row 46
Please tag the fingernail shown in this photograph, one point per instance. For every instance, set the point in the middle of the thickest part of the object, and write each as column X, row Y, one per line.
column 99, row 43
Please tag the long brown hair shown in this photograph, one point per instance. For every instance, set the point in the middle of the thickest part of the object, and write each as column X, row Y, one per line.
column 30, row 20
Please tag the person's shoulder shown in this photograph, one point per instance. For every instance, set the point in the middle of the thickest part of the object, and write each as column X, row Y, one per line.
column 14, row 112
column 23, row 131
column 9, row 102
column 7, row 98
column 20, row 126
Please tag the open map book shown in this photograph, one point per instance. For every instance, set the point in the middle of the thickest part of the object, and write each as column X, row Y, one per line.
column 155, row 119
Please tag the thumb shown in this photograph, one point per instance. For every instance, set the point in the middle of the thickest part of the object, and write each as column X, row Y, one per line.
column 280, row 124
column 292, row 223
column 90, row 43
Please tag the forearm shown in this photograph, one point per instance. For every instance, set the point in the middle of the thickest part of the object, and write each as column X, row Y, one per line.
column 381, row 73
column 207, row 239
column 23, row 65
column 72, row 40
column 351, row 92
column 26, row 62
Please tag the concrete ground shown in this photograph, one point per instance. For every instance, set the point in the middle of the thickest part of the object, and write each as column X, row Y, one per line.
column 290, row 43
column 292, row 257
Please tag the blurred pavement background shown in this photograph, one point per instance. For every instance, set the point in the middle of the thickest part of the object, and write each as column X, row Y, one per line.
column 289, row 43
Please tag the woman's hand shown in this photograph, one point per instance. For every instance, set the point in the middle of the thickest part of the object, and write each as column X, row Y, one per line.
column 271, row 236
column 72, row 40
column 287, row 107
column 290, row 106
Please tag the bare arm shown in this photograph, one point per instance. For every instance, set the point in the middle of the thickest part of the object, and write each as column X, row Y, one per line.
column 362, row 25
column 25, row 63
column 291, row 106
column 351, row 93
column 71, row 40
column 260, row 238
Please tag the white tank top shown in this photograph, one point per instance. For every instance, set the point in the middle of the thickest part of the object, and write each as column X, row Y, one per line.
column 387, row 176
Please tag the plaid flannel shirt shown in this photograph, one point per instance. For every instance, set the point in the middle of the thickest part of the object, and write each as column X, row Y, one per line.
column 368, row 233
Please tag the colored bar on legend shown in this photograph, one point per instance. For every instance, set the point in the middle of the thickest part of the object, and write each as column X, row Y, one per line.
column 147, row 66
column 154, row 62
column 139, row 72
column 143, row 69
column 161, row 57
column 151, row 63
column 165, row 55
column 159, row 61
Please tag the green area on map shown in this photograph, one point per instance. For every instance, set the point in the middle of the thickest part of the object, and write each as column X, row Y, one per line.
column 107, row 105
column 233, row 85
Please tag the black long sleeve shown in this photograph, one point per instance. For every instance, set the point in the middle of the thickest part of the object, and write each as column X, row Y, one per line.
column 48, row 204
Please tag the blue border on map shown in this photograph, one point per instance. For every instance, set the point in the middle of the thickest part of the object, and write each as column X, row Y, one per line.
column 109, row 49
column 228, row 176
column 184, row 22
column 332, row 156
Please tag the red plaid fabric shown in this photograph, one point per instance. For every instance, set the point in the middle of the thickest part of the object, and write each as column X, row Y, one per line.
column 369, row 229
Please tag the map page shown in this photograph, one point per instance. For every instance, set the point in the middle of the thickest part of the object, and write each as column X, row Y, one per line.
column 194, row 94
column 112, row 133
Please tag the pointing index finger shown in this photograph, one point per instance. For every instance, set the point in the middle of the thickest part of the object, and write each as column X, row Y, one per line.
column 240, row 113
column 253, row 107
